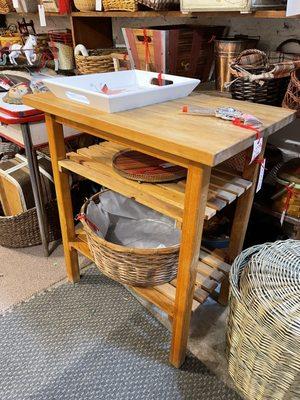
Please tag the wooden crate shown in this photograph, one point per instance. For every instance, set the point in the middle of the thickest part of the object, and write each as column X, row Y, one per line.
column 16, row 194
column 225, row 5
column 182, row 50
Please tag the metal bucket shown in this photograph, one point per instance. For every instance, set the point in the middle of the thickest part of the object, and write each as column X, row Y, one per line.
column 226, row 50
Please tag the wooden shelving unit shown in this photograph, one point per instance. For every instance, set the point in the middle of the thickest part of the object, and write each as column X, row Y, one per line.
column 279, row 14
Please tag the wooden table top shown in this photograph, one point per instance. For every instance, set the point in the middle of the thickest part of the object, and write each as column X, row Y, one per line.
column 207, row 140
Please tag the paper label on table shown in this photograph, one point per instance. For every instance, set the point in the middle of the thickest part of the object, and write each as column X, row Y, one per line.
column 42, row 15
column 261, row 175
column 98, row 6
column 292, row 8
column 257, row 147
column 15, row 3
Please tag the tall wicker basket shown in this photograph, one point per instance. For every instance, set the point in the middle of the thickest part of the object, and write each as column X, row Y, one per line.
column 131, row 266
column 292, row 96
column 263, row 327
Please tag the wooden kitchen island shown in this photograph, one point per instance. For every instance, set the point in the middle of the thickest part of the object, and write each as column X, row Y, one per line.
column 200, row 144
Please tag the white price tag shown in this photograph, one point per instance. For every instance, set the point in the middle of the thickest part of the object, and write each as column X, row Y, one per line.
column 98, row 6
column 42, row 15
column 257, row 147
column 261, row 175
column 15, row 3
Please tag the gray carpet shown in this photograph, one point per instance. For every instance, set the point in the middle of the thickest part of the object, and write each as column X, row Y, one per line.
column 93, row 341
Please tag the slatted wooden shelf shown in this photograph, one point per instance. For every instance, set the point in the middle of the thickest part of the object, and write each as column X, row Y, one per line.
column 95, row 163
column 211, row 271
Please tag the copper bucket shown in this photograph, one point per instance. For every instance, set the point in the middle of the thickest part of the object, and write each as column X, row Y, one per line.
column 226, row 50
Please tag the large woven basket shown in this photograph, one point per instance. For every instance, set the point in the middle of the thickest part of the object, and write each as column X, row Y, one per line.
column 131, row 266
column 120, row 5
column 85, row 5
column 97, row 61
column 263, row 326
column 160, row 5
column 23, row 230
column 6, row 6
column 292, row 97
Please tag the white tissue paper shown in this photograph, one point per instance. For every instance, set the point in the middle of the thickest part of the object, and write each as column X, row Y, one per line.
column 125, row 222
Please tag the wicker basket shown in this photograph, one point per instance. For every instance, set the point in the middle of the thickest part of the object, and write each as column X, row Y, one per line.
column 85, row 5
column 271, row 92
column 6, row 6
column 131, row 266
column 292, row 97
column 264, row 91
column 97, row 61
column 160, row 5
column 23, row 230
column 120, row 5
column 263, row 326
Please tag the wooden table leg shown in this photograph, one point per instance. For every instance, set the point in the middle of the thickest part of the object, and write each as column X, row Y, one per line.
column 241, row 218
column 194, row 211
column 63, row 195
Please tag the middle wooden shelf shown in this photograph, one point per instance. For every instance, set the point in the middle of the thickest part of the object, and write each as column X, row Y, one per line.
column 95, row 163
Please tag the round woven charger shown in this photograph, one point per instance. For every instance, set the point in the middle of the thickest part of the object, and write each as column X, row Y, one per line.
column 144, row 168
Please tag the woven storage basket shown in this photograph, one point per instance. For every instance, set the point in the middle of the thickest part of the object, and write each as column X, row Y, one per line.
column 160, row 5
column 6, row 6
column 97, row 61
column 292, row 96
column 85, row 5
column 264, row 91
column 263, row 327
column 23, row 230
column 120, row 5
column 131, row 266
column 65, row 56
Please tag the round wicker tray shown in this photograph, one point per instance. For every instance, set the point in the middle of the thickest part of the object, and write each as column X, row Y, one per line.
column 144, row 168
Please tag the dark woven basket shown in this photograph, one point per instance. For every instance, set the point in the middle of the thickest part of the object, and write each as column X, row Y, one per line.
column 23, row 230
column 271, row 92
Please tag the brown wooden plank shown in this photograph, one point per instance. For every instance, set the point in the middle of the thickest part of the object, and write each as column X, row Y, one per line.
column 235, row 180
column 210, row 272
column 214, row 262
column 169, row 290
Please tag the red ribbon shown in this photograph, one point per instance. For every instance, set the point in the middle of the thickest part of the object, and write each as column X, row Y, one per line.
column 238, row 122
column 83, row 217
column 147, row 49
column 290, row 193
column 260, row 161
column 159, row 78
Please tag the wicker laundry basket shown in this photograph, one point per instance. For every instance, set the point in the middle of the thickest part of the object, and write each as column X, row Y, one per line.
column 127, row 265
column 120, row 5
column 23, row 230
column 263, row 326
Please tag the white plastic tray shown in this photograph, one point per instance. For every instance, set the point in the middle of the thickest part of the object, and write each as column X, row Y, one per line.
column 130, row 89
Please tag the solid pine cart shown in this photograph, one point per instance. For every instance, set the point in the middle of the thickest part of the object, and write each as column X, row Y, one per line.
column 200, row 144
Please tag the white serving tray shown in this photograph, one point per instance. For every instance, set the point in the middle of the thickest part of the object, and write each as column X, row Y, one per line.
column 133, row 89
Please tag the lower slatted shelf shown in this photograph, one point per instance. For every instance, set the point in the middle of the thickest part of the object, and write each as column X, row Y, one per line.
column 95, row 163
column 211, row 271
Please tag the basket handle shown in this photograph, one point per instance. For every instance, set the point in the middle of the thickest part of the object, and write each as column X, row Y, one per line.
column 279, row 48
column 251, row 51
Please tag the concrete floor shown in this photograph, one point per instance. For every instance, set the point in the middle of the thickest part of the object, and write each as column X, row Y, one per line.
column 26, row 272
